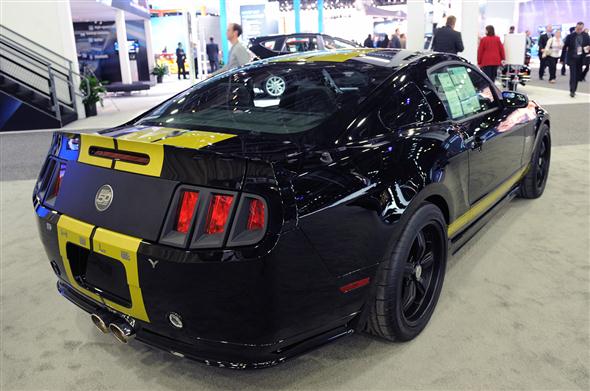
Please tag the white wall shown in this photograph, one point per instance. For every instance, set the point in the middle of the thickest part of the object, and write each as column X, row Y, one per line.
column 47, row 23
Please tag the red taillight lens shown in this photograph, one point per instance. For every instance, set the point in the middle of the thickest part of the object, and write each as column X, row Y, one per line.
column 219, row 210
column 255, row 215
column 188, row 201
column 57, row 184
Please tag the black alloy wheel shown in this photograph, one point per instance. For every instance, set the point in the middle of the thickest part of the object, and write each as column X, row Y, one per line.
column 543, row 162
column 407, row 286
column 533, row 184
column 422, row 273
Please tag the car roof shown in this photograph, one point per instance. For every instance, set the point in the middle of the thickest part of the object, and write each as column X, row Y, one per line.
column 389, row 58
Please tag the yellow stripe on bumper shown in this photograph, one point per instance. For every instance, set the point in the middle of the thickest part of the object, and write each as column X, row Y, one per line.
column 111, row 244
column 485, row 203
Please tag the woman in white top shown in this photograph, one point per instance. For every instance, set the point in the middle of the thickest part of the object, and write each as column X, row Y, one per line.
column 552, row 53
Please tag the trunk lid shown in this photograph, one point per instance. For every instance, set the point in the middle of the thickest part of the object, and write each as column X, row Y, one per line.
column 130, row 180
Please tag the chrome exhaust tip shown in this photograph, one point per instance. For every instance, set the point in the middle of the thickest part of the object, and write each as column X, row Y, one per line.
column 122, row 331
column 99, row 322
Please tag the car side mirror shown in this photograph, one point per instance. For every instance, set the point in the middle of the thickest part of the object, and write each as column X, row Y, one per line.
column 515, row 99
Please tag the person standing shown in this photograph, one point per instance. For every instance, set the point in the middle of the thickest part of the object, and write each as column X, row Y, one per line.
column 446, row 39
column 543, row 38
column 394, row 42
column 212, row 50
column 490, row 54
column 385, row 42
column 403, row 40
column 368, row 42
column 180, row 58
column 238, row 54
column 564, row 54
column 511, row 30
column 553, row 54
column 578, row 45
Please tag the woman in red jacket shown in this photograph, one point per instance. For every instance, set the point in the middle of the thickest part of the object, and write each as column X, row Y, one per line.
column 490, row 54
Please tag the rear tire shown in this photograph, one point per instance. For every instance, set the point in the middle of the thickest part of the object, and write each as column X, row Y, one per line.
column 407, row 286
column 533, row 184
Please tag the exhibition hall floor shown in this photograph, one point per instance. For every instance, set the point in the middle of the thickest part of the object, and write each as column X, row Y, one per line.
column 513, row 314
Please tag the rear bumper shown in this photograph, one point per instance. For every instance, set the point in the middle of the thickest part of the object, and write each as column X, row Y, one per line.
column 236, row 314
column 218, row 353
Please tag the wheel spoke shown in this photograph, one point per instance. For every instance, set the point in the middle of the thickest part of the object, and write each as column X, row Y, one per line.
column 420, row 245
column 420, row 289
column 409, row 295
column 427, row 260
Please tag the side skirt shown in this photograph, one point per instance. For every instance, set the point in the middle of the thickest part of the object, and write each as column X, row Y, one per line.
column 459, row 240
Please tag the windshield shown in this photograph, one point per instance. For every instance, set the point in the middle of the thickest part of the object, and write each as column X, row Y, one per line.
column 279, row 98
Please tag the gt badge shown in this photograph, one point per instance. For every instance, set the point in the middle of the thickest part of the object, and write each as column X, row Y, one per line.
column 104, row 197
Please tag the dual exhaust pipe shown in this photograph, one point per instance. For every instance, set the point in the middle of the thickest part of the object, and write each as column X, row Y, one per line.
column 107, row 322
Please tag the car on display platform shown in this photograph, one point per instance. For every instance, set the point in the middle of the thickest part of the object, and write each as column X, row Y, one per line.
column 241, row 229
column 277, row 45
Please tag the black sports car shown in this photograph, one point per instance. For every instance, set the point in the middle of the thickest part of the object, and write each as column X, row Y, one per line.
column 240, row 229
column 276, row 45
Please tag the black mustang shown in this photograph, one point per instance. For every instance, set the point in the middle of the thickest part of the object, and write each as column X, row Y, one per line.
column 240, row 229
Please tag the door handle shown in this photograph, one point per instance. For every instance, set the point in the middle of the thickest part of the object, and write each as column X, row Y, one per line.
column 477, row 143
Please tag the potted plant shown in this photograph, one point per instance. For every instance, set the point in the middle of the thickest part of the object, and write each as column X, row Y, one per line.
column 92, row 90
column 159, row 71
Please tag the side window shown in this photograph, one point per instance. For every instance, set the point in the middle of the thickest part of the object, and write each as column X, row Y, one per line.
column 405, row 107
column 335, row 43
column 463, row 91
column 270, row 44
column 300, row 44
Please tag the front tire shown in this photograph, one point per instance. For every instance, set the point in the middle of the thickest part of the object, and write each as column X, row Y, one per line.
column 533, row 184
column 408, row 285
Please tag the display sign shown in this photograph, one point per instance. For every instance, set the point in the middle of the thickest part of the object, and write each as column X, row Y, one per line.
column 460, row 93
column 255, row 23
column 136, row 7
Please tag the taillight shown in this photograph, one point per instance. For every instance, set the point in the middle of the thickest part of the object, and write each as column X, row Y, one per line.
column 219, row 210
column 255, row 215
column 186, row 209
column 58, row 179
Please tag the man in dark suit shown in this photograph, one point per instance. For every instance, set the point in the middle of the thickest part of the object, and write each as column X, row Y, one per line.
column 446, row 39
column 213, row 54
column 180, row 57
column 576, row 46
column 543, row 38
column 368, row 42
column 564, row 54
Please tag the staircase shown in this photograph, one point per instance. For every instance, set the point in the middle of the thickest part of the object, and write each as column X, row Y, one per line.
column 37, row 85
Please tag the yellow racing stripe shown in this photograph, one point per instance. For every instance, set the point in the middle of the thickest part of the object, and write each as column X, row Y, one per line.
column 335, row 56
column 485, row 203
column 70, row 230
column 149, row 141
column 124, row 249
column 95, row 140
column 111, row 244
column 150, row 134
column 154, row 151
column 195, row 139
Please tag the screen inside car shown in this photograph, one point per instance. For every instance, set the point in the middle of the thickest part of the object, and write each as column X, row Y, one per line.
column 278, row 98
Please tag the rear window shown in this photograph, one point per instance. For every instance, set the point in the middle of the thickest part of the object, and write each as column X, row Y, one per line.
column 279, row 98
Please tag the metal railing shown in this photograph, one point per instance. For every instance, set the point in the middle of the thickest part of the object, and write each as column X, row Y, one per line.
column 42, row 70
